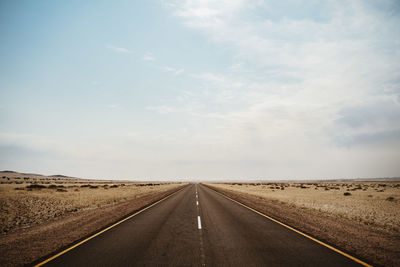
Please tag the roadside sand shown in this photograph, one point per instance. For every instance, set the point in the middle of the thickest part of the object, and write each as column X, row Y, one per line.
column 36, row 221
column 27, row 205
column 366, row 228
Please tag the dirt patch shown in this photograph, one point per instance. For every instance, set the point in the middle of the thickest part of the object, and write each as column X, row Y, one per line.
column 372, row 242
column 23, row 246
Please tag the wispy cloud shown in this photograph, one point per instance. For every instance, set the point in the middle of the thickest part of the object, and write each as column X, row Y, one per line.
column 162, row 109
column 207, row 14
column 298, row 60
column 247, row 88
column 149, row 57
column 173, row 70
column 119, row 49
column 301, row 83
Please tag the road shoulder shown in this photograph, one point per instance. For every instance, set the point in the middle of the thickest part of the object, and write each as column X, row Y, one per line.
column 28, row 245
column 352, row 237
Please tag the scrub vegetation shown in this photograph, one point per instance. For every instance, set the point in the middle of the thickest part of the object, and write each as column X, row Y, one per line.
column 31, row 200
column 359, row 216
column 40, row 214
column 373, row 203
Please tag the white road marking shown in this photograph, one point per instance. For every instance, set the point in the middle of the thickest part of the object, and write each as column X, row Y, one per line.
column 202, row 256
column 199, row 222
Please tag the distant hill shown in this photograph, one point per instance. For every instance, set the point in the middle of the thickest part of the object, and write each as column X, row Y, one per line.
column 60, row 176
column 22, row 174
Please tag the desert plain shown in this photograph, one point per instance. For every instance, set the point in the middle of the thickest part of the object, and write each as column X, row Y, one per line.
column 361, row 217
column 42, row 214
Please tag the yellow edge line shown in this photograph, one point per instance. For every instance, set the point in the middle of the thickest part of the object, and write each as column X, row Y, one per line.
column 299, row 232
column 104, row 230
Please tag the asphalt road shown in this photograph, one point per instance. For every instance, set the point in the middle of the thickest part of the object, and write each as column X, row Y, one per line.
column 203, row 230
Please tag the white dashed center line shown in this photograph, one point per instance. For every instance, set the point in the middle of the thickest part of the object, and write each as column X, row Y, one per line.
column 202, row 255
column 199, row 222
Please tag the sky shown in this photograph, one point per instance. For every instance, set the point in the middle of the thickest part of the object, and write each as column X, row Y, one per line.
column 202, row 90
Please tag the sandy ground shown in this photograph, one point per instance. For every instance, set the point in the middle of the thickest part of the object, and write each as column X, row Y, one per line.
column 39, row 214
column 23, row 207
column 361, row 218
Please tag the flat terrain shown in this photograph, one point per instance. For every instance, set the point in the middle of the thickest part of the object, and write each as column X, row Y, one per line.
column 361, row 217
column 199, row 227
column 28, row 200
column 40, row 214
column 373, row 203
column 195, row 225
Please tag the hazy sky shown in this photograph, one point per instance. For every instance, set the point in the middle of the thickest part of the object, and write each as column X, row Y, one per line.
column 206, row 89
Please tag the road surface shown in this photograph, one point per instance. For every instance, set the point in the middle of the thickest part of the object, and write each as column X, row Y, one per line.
column 199, row 227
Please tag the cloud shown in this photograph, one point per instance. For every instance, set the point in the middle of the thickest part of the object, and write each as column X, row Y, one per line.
column 199, row 12
column 161, row 109
column 172, row 70
column 298, row 61
column 306, row 79
column 119, row 49
column 206, row 14
column 391, row 137
column 372, row 122
column 304, row 89
column 148, row 57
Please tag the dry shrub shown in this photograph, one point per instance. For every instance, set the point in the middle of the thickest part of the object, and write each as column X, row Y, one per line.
column 35, row 186
column 36, row 204
column 378, row 209
column 61, row 190
column 369, row 222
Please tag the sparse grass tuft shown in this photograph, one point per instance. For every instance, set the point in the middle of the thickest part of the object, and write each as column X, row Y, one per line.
column 371, row 203
column 33, row 204
column 61, row 190
column 361, row 217
column 35, row 186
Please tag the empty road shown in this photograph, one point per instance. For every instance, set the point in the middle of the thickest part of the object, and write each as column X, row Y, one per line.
column 199, row 227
